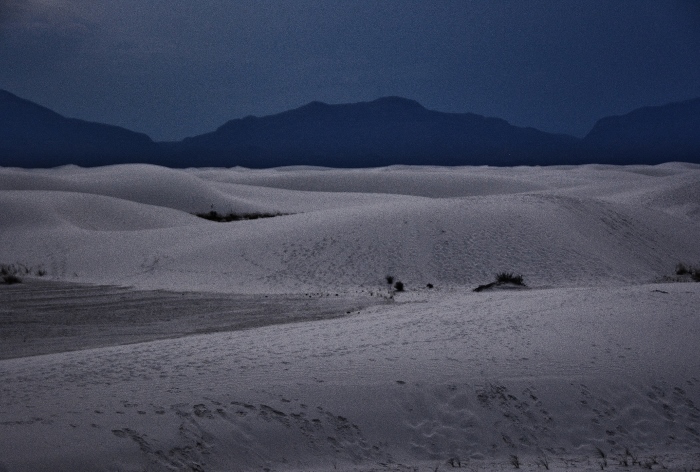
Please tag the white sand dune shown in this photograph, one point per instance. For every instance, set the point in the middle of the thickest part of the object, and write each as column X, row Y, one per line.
column 594, row 367
column 137, row 183
column 354, row 239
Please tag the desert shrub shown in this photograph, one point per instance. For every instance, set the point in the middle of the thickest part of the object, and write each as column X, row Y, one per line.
column 398, row 286
column 390, row 279
column 509, row 277
column 11, row 279
column 684, row 269
column 502, row 278
column 8, row 269
column 10, row 273
column 13, row 269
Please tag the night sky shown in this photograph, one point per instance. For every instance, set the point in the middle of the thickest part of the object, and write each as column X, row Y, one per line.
column 177, row 68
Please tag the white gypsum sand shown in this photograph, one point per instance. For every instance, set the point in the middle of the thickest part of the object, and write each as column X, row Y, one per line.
column 158, row 340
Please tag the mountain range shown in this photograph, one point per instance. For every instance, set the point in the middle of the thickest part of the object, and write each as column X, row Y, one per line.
column 386, row 131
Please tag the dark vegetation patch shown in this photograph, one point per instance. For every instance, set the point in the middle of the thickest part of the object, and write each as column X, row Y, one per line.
column 11, row 279
column 10, row 273
column 503, row 279
column 509, row 277
column 214, row 215
column 685, row 270
column 394, row 284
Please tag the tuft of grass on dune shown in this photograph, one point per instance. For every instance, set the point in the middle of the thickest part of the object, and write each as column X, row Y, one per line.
column 687, row 270
column 503, row 279
column 10, row 273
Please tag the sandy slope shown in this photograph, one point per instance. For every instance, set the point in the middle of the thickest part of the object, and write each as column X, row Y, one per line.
column 550, row 373
column 592, row 368
column 556, row 226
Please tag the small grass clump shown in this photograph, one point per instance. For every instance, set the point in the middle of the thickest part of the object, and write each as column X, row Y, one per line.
column 395, row 285
column 11, row 279
column 10, row 273
column 8, row 269
column 510, row 278
column 503, row 278
column 683, row 269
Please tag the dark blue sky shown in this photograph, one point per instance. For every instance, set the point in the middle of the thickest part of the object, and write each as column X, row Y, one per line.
column 176, row 68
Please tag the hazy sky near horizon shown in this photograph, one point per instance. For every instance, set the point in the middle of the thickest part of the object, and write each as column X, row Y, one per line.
column 177, row 68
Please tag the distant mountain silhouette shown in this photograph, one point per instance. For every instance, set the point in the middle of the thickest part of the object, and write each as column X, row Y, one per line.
column 34, row 136
column 647, row 135
column 386, row 131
